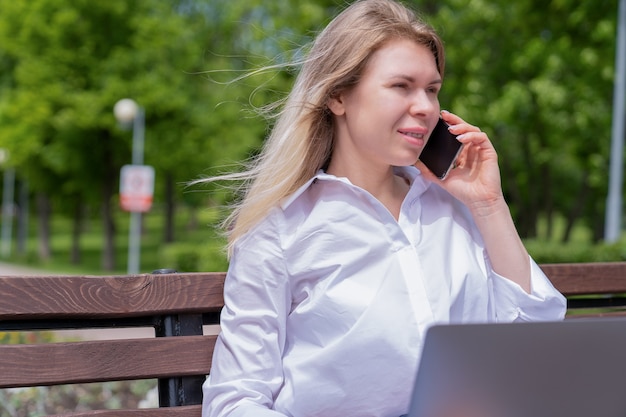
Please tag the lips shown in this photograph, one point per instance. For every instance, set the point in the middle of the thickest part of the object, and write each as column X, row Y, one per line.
column 415, row 136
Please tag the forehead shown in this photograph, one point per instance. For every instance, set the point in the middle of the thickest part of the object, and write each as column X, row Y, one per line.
column 402, row 56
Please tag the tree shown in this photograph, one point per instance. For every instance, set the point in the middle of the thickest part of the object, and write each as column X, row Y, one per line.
column 71, row 63
column 537, row 76
column 68, row 63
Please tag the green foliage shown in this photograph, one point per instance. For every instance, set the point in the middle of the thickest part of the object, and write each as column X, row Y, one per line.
column 187, row 257
column 15, row 338
column 551, row 252
column 43, row 401
column 536, row 76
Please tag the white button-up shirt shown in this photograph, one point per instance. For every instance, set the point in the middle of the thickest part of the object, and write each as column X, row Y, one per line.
column 328, row 299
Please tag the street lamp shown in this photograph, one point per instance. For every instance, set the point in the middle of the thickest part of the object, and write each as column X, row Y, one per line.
column 128, row 112
column 613, row 218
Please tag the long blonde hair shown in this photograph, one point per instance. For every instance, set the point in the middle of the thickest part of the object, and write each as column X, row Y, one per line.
column 301, row 141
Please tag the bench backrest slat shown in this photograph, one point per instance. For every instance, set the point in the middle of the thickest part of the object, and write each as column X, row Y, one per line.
column 110, row 360
column 184, row 411
column 587, row 278
column 109, row 296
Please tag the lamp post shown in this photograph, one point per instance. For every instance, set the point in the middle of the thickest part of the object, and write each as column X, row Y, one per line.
column 613, row 220
column 127, row 112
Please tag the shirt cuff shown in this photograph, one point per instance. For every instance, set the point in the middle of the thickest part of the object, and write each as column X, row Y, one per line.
column 544, row 303
column 252, row 411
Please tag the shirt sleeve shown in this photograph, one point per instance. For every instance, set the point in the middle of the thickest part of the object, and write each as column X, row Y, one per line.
column 512, row 303
column 246, row 372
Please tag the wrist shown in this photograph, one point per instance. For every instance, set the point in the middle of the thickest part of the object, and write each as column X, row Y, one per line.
column 489, row 207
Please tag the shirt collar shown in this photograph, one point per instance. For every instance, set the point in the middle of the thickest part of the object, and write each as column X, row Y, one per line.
column 411, row 173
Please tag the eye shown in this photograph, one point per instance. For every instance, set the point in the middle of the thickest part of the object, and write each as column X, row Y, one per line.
column 401, row 85
column 434, row 88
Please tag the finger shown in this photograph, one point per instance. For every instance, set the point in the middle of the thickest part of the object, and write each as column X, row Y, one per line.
column 457, row 124
column 451, row 118
column 462, row 128
column 479, row 139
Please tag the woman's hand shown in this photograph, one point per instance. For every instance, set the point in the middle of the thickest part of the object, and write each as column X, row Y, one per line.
column 475, row 179
column 476, row 182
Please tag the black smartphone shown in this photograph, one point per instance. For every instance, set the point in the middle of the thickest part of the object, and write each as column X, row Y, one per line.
column 441, row 150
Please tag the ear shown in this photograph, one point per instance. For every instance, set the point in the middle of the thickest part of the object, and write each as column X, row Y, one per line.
column 335, row 104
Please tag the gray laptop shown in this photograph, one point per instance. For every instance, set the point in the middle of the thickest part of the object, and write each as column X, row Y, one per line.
column 574, row 368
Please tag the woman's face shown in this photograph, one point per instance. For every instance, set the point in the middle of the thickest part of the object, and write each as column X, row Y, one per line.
column 387, row 117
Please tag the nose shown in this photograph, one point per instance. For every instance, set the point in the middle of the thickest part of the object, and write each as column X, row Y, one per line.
column 423, row 104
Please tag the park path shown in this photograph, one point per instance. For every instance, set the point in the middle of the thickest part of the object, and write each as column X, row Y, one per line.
column 10, row 269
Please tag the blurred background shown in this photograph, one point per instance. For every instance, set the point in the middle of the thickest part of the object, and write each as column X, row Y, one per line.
column 537, row 76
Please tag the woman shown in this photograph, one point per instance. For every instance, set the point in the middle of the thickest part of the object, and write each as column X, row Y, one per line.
column 345, row 248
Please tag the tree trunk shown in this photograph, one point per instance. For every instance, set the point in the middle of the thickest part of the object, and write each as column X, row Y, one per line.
column 578, row 208
column 43, row 211
column 24, row 213
column 598, row 229
column 108, row 222
column 108, row 252
column 548, row 200
column 529, row 209
column 75, row 254
column 170, row 208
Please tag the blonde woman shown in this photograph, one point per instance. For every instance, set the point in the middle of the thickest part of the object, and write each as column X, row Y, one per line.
column 345, row 248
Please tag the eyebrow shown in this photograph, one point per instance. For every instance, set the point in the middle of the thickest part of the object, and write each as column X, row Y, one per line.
column 412, row 79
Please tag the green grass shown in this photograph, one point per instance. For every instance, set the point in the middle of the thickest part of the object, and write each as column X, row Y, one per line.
column 152, row 250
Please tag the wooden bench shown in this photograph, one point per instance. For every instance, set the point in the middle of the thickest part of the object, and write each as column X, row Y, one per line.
column 177, row 306
column 595, row 289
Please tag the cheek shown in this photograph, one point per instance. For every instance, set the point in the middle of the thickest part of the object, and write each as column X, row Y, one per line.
column 437, row 107
column 435, row 102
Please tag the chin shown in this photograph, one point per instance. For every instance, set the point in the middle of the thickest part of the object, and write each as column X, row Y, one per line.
column 408, row 161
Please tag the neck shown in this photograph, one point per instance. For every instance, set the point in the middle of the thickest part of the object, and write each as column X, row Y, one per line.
column 386, row 187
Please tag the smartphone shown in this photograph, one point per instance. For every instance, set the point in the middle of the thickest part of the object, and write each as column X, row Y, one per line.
column 441, row 150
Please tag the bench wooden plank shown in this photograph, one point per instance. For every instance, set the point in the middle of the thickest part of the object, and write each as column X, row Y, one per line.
column 587, row 278
column 183, row 411
column 105, row 360
column 54, row 297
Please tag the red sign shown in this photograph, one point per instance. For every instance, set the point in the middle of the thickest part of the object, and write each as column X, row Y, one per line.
column 136, row 188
